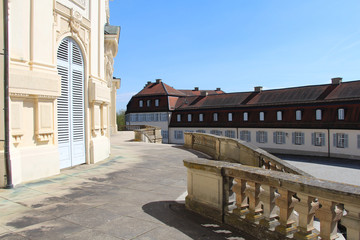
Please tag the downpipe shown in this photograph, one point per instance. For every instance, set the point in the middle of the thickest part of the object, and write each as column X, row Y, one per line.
column 9, row 183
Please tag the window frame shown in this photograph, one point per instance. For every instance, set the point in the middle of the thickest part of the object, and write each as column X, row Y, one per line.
column 279, row 115
column 189, row 117
column 178, row 117
column 215, row 117
column 261, row 116
column 201, row 117
column 148, row 103
column 298, row 115
column 318, row 114
column 245, row 116
column 157, row 102
column 341, row 114
column 230, row 117
column 141, row 103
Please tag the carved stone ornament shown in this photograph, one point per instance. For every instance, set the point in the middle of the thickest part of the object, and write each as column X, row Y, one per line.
column 75, row 20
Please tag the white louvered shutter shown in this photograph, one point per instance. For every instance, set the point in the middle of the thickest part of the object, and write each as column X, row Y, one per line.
column 71, row 134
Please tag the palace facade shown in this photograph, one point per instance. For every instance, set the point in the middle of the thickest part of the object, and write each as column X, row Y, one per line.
column 317, row 120
column 58, row 75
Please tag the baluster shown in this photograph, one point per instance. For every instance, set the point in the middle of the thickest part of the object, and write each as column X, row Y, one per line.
column 253, row 191
column 228, row 184
column 306, row 208
column 272, row 166
column 352, row 221
column 328, row 219
column 241, row 198
column 284, row 202
column 267, row 197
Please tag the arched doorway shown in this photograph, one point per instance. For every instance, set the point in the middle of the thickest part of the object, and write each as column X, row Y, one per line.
column 70, row 105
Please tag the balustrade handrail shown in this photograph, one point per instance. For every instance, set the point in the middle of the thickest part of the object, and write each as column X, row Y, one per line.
column 270, row 198
column 144, row 130
column 233, row 150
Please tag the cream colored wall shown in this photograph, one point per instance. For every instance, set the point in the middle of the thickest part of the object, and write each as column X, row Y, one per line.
column 36, row 30
column 352, row 151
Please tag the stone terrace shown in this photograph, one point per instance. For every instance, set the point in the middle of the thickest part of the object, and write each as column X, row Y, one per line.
column 137, row 194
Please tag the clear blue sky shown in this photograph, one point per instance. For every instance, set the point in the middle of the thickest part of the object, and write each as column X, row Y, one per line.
column 235, row 44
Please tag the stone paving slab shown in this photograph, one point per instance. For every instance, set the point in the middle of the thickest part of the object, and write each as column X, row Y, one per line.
column 132, row 195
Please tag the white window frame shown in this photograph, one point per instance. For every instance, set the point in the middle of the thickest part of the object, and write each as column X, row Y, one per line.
column 163, row 117
column 178, row 134
column 298, row 138
column 341, row 114
column 279, row 137
column 200, row 131
column 201, row 117
column 230, row 133
column 230, row 117
column 156, row 102
column 141, row 103
column 165, row 134
column 261, row 116
column 178, row 117
column 262, row 136
column 318, row 113
column 189, row 117
column 298, row 114
column 319, row 139
column 279, row 115
column 216, row 132
column 246, row 116
column 245, row 135
column 341, row 140
column 215, row 117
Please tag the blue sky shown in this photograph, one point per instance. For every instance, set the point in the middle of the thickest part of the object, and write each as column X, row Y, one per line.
column 235, row 44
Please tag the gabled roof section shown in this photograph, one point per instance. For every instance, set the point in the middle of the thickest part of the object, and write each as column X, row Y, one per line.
column 159, row 88
column 213, row 101
column 201, row 92
column 345, row 90
column 288, row 95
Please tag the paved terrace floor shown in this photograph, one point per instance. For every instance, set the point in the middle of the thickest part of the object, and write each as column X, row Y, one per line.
column 136, row 194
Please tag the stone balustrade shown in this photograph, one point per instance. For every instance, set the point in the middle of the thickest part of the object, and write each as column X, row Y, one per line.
column 272, row 204
column 147, row 133
column 237, row 151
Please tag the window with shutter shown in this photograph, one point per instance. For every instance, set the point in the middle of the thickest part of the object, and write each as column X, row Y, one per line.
column 70, row 105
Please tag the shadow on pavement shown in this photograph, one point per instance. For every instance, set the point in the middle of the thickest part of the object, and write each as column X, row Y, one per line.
column 174, row 214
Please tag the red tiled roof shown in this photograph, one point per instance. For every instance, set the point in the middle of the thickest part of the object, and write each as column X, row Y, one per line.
column 159, row 89
column 345, row 90
column 200, row 92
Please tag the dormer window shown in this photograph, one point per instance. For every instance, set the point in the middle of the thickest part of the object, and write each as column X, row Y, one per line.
column 148, row 103
column 141, row 103
column 156, row 102
column 178, row 117
column 189, row 117
column 318, row 114
column 298, row 115
column 279, row 115
column 341, row 114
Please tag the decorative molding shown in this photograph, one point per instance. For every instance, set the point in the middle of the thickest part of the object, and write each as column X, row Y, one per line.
column 80, row 3
column 18, row 95
column 75, row 21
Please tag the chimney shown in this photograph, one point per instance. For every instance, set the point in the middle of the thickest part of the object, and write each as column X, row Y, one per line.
column 158, row 81
column 147, row 84
column 336, row 81
column 258, row 89
column 196, row 89
column 204, row 93
column 218, row 89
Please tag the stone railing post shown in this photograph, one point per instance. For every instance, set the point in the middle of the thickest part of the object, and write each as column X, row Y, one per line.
column 217, row 148
column 328, row 220
column 241, row 198
column 306, row 208
column 267, row 197
column 253, row 191
column 284, row 202
column 352, row 221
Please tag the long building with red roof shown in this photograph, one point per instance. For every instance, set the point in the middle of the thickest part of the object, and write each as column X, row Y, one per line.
column 321, row 120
